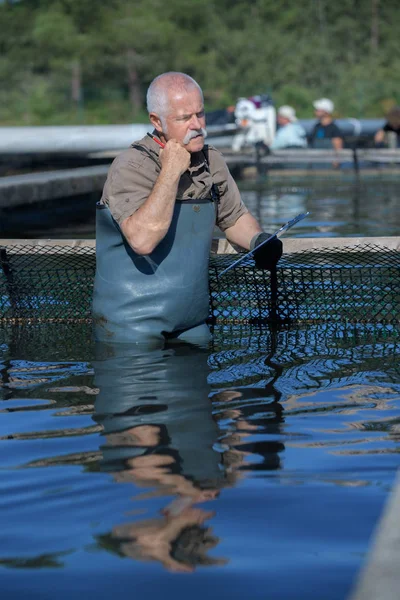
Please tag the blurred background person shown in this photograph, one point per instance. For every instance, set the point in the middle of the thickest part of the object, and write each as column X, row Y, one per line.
column 325, row 133
column 290, row 133
column 392, row 125
column 255, row 118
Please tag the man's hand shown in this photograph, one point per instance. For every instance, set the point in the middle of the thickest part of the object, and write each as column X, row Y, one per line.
column 269, row 254
column 175, row 159
column 148, row 225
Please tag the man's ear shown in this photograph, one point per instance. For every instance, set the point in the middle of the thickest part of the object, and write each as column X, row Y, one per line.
column 156, row 122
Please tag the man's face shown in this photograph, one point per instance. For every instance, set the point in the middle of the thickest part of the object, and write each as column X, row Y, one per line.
column 282, row 121
column 321, row 114
column 185, row 119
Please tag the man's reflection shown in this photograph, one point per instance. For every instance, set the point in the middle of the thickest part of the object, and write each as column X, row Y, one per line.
column 257, row 416
column 160, row 434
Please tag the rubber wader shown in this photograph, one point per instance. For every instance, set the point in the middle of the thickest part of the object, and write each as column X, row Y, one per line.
column 161, row 295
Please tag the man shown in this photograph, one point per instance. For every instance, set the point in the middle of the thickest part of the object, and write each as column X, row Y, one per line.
column 325, row 133
column 290, row 133
column 155, row 223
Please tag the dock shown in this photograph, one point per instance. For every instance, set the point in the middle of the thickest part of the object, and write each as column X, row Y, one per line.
column 380, row 577
column 31, row 188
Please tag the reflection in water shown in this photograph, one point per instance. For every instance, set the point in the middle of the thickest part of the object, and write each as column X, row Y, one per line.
column 255, row 415
column 160, row 434
column 339, row 205
column 332, row 381
column 195, row 455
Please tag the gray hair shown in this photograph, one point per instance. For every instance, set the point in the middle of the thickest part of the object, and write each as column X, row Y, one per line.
column 157, row 94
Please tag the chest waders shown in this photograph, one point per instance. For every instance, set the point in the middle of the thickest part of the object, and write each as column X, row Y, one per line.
column 164, row 294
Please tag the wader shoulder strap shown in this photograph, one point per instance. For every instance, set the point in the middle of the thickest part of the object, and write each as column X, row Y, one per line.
column 214, row 187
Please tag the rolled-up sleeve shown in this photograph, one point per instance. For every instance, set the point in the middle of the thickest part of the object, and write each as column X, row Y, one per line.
column 230, row 206
column 129, row 183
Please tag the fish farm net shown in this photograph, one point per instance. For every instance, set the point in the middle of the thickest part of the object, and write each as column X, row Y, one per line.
column 357, row 284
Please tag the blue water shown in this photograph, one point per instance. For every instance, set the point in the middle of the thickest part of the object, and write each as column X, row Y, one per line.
column 255, row 468
column 340, row 205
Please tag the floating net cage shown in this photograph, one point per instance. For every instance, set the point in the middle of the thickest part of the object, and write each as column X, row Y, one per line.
column 357, row 284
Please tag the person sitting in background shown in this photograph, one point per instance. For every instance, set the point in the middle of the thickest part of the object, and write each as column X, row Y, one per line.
column 290, row 133
column 392, row 125
column 325, row 132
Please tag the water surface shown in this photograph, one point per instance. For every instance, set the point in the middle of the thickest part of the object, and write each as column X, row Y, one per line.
column 255, row 468
column 340, row 205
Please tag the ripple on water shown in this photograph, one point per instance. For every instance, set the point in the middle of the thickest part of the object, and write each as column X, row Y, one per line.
column 232, row 458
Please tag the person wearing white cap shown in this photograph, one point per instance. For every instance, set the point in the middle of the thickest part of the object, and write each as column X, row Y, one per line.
column 290, row 133
column 325, row 133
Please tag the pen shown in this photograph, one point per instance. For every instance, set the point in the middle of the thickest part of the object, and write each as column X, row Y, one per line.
column 157, row 141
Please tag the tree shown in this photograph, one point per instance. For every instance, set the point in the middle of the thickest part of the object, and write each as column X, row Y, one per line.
column 54, row 52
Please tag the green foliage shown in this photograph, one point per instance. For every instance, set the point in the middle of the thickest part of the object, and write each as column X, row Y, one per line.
column 74, row 61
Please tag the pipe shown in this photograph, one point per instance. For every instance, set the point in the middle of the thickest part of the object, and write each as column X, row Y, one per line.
column 83, row 140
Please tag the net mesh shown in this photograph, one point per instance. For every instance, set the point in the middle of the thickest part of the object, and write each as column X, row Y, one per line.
column 41, row 283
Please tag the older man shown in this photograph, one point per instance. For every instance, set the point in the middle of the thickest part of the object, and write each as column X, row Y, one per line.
column 155, row 222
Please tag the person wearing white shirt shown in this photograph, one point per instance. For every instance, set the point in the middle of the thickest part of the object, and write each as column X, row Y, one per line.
column 290, row 133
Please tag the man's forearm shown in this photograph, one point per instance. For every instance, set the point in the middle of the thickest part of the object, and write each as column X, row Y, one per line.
column 243, row 231
column 337, row 143
column 145, row 229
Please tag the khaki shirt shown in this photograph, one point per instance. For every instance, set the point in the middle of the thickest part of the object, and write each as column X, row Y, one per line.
column 133, row 174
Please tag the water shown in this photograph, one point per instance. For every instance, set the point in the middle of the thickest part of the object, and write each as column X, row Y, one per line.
column 255, row 468
column 343, row 206
column 340, row 205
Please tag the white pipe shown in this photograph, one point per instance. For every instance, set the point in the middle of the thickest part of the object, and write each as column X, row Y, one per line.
column 69, row 140
column 77, row 139
column 102, row 138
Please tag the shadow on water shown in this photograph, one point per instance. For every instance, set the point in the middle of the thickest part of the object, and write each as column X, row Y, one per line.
column 229, row 457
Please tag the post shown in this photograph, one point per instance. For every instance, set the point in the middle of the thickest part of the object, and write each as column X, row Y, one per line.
column 273, row 308
column 5, row 265
column 262, row 150
column 355, row 160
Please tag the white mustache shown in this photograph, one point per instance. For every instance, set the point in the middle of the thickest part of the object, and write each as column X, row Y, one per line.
column 194, row 133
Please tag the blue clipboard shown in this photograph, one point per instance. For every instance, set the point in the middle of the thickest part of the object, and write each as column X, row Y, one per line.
column 284, row 228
